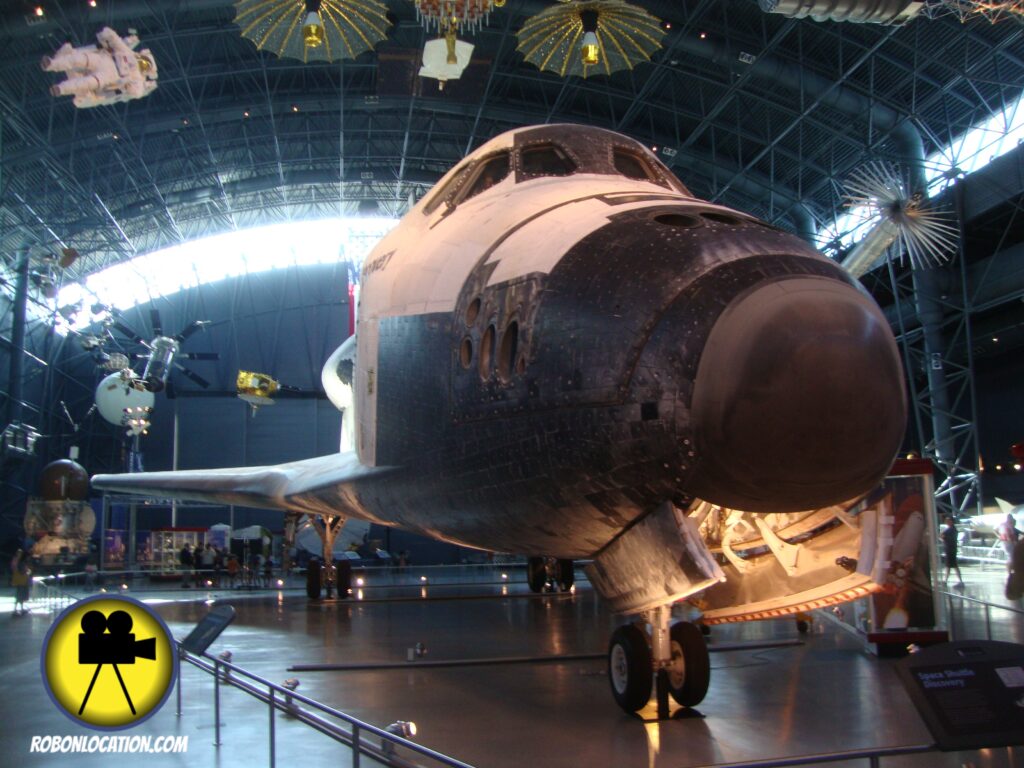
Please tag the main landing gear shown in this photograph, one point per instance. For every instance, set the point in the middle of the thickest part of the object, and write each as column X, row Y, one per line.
column 548, row 574
column 673, row 659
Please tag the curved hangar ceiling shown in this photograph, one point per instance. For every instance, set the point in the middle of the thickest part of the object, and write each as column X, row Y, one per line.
column 753, row 109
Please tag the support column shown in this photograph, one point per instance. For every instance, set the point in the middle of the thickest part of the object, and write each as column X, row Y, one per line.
column 16, row 380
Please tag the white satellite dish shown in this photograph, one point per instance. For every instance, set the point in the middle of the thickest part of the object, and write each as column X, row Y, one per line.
column 115, row 395
column 445, row 59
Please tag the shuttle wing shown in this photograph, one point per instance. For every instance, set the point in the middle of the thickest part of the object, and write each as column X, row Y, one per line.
column 292, row 486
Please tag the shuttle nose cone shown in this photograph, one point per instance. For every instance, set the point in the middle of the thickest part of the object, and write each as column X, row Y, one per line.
column 798, row 401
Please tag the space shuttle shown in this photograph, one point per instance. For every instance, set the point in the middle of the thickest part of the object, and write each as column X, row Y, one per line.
column 561, row 352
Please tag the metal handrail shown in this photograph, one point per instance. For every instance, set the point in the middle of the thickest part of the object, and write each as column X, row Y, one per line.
column 873, row 756
column 988, row 611
column 982, row 602
column 279, row 698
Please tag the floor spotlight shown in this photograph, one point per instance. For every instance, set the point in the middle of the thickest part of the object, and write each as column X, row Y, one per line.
column 402, row 728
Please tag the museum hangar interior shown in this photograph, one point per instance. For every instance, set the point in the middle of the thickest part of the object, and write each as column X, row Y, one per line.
column 229, row 211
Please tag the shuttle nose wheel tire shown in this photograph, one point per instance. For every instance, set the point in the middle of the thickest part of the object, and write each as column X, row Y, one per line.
column 629, row 667
column 632, row 668
column 689, row 672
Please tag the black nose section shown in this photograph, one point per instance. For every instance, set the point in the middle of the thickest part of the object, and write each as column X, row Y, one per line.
column 799, row 400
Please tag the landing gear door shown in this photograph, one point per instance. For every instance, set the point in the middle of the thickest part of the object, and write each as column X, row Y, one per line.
column 366, row 392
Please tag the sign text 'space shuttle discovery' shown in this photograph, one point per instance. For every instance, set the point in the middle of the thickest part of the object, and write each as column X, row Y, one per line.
column 560, row 352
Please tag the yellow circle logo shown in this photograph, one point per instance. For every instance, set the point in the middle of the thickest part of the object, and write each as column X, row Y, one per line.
column 109, row 662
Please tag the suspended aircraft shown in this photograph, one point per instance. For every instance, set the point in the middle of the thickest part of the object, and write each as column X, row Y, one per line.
column 561, row 352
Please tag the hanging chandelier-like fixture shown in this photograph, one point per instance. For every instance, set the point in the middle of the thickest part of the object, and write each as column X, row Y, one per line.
column 590, row 37
column 464, row 15
column 313, row 30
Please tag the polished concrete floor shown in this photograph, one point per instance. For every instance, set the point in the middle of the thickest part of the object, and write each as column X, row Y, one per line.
column 821, row 693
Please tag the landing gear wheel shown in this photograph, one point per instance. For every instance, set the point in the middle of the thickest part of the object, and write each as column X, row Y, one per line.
column 313, row 580
column 630, row 667
column 536, row 574
column 566, row 575
column 690, row 672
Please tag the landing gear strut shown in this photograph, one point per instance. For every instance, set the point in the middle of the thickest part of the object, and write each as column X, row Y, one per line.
column 545, row 574
column 675, row 656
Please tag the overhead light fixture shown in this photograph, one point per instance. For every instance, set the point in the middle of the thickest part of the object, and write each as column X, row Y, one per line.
column 591, row 48
column 313, row 28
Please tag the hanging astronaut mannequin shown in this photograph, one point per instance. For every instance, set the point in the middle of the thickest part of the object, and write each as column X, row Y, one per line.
column 106, row 73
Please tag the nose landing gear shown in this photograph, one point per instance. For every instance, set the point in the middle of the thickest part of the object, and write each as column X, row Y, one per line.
column 672, row 658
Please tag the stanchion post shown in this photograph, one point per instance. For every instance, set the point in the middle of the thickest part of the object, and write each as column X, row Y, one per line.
column 216, row 703
column 178, row 682
column 272, row 707
column 988, row 623
column 355, row 746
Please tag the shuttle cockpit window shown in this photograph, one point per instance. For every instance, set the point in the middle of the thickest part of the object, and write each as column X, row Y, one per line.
column 545, row 160
column 633, row 166
column 491, row 171
column 446, row 192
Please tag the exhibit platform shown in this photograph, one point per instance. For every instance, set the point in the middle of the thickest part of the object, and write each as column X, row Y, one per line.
column 814, row 693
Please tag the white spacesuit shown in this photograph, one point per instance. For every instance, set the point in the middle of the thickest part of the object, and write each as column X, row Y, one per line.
column 105, row 73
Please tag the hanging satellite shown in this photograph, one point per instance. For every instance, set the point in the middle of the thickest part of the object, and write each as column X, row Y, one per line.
column 590, row 37
column 123, row 401
column 164, row 351
column 313, row 30
column 927, row 236
column 446, row 57
column 893, row 12
column 256, row 388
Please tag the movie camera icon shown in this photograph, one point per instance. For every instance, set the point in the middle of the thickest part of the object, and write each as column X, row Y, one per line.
column 109, row 640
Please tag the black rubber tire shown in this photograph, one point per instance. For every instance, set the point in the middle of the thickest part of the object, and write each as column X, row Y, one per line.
column 802, row 626
column 343, row 578
column 691, row 686
column 566, row 574
column 630, row 669
column 313, row 580
column 536, row 574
